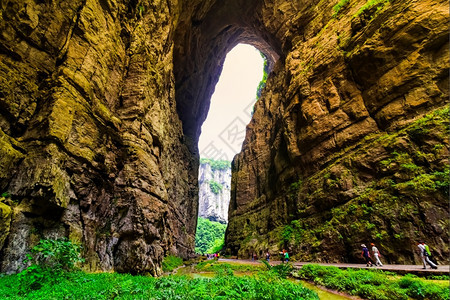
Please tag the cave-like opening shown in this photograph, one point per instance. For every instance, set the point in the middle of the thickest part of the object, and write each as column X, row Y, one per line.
column 243, row 76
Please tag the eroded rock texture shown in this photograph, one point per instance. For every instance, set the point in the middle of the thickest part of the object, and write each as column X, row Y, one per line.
column 339, row 151
column 102, row 103
column 91, row 144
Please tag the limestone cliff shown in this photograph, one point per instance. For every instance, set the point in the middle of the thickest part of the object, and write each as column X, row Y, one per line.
column 349, row 142
column 214, row 192
column 102, row 101
column 91, row 143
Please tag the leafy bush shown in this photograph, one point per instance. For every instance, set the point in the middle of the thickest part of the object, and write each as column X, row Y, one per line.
column 215, row 187
column 49, row 260
column 171, row 262
column 282, row 270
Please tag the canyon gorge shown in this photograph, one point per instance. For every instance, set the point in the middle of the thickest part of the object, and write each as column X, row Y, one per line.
column 102, row 102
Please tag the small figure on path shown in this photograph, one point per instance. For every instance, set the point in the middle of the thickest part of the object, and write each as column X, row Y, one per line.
column 424, row 256
column 376, row 254
column 366, row 255
column 430, row 256
column 268, row 256
column 255, row 257
column 286, row 257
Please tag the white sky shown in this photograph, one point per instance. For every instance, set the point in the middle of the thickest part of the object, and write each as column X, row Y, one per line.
column 231, row 104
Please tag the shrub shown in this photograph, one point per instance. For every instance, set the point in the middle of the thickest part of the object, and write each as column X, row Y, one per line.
column 49, row 259
column 215, row 187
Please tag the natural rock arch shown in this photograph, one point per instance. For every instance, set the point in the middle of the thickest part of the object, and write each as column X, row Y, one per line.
column 102, row 102
column 201, row 44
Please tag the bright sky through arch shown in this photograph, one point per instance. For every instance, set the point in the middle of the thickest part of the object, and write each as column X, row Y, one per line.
column 232, row 103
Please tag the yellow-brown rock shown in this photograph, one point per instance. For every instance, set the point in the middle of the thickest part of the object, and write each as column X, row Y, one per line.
column 102, row 103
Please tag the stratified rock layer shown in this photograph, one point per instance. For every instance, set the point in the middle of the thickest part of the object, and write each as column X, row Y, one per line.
column 339, row 151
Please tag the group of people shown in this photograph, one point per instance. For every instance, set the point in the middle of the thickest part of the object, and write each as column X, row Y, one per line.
column 424, row 252
column 284, row 256
column 366, row 255
column 213, row 256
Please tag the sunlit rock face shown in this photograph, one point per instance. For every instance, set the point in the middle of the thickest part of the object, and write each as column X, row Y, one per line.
column 213, row 193
column 102, row 103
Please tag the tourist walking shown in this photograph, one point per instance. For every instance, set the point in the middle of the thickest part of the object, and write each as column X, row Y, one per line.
column 286, row 257
column 376, row 254
column 268, row 256
column 424, row 256
column 366, row 255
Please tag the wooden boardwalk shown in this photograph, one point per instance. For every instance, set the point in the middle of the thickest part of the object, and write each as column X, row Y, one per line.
column 399, row 269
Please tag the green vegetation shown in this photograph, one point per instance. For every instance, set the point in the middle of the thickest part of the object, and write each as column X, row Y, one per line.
column 171, row 262
column 370, row 4
column 337, row 8
column 49, row 259
column 216, row 164
column 371, row 284
column 209, row 237
column 215, row 187
column 124, row 286
column 404, row 175
column 263, row 81
column 215, row 266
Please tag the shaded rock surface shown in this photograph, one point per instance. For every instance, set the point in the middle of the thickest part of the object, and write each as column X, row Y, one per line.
column 102, row 101
column 213, row 204
column 340, row 150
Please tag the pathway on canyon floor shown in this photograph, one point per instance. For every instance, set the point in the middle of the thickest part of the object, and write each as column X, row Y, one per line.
column 401, row 269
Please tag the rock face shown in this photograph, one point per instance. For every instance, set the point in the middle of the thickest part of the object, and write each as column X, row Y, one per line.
column 349, row 142
column 102, row 103
column 91, row 143
column 213, row 201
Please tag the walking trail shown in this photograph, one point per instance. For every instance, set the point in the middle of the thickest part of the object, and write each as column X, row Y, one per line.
column 400, row 269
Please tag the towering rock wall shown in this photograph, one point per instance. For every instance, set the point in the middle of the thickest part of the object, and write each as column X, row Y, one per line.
column 91, row 146
column 349, row 142
column 213, row 192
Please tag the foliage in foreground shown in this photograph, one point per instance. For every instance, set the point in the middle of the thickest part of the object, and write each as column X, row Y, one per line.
column 124, row 286
column 209, row 237
column 372, row 284
column 49, row 259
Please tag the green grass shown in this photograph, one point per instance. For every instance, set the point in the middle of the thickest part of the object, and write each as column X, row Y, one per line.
column 373, row 284
column 171, row 262
column 214, row 266
column 124, row 286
